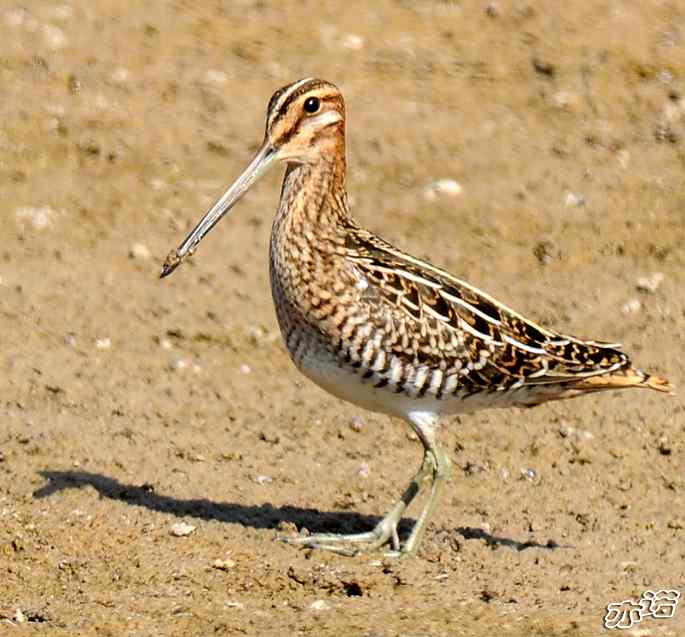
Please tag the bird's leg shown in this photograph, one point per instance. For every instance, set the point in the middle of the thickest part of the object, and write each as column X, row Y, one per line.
column 385, row 531
column 441, row 473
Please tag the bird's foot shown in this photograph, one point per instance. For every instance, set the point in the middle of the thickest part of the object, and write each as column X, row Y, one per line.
column 385, row 532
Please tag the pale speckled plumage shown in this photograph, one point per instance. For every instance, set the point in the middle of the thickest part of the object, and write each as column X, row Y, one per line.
column 384, row 330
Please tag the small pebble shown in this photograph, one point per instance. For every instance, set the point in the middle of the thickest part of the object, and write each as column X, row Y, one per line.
column 181, row 529
column 318, row 605
column 120, row 75
column 139, row 251
column 529, row 474
column 245, row 369
column 223, row 565
column 566, row 100
column 356, row 423
column 574, row 200
column 566, row 431
column 40, row 217
column 103, row 343
column 214, row 76
column 665, row 77
column 263, row 480
column 504, row 474
column 353, row 42
column 19, row 616
column 631, row 307
column 364, row 470
column 54, row 36
column 650, row 284
column 233, row 604
column 623, row 157
column 179, row 363
column 442, row 187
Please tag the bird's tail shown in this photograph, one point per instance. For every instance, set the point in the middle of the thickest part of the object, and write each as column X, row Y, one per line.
column 624, row 379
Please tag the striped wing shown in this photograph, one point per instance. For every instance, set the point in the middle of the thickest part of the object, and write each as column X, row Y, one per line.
column 443, row 322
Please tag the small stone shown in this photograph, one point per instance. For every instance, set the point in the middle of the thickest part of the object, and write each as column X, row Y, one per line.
column 529, row 474
column 677, row 524
column 574, row 200
column 245, row 369
column 181, row 529
column 233, row 604
column 353, row 42
column 223, row 565
column 504, row 474
column 623, row 157
column 442, row 187
column 364, row 470
column 103, row 343
column 650, row 284
column 178, row 363
column 546, row 252
column 120, row 75
column 139, row 251
column 40, row 217
column 356, row 423
column 318, row 605
column 54, row 36
column 632, row 307
column 19, row 616
column 566, row 431
column 263, row 480
column 214, row 76
column 664, row 448
column 665, row 77
column 566, row 100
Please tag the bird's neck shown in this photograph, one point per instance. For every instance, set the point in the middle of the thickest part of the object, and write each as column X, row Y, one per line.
column 314, row 198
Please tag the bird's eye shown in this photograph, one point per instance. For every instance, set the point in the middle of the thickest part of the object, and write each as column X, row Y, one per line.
column 312, row 104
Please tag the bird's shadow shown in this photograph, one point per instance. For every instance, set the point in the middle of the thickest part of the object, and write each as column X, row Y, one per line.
column 262, row 516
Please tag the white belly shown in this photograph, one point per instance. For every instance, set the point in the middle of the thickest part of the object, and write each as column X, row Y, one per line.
column 346, row 383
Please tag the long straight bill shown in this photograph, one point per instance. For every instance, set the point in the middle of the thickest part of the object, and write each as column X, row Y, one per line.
column 258, row 166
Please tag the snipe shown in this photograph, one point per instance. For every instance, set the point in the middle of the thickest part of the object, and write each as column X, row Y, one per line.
column 387, row 331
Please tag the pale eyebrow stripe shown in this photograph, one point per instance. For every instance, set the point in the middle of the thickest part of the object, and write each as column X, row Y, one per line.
column 282, row 99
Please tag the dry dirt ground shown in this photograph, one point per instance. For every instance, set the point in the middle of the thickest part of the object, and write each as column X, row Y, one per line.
column 130, row 404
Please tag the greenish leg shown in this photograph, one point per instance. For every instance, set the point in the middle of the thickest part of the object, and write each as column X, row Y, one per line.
column 441, row 474
column 435, row 465
column 385, row 531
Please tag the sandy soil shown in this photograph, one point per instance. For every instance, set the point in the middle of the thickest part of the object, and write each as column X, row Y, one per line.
column 129, row 404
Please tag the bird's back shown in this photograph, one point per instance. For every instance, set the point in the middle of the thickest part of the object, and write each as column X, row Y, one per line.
column 397, row 329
